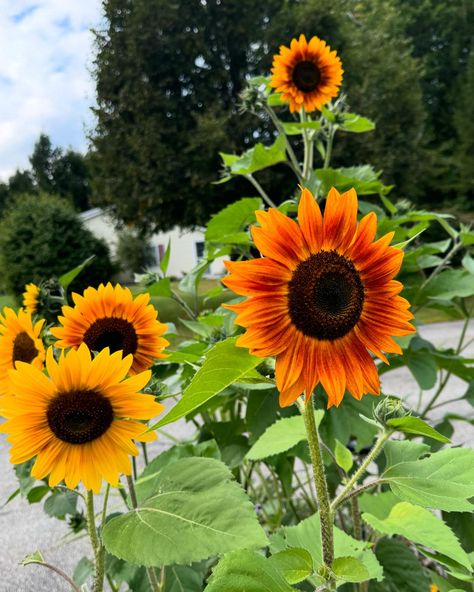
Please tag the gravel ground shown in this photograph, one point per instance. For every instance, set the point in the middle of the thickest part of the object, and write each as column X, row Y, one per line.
column 26, row 528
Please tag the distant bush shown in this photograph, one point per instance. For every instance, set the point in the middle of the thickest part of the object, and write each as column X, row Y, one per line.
column 41, row 237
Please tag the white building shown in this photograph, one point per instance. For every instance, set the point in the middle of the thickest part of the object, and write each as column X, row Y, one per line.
column 187, row 246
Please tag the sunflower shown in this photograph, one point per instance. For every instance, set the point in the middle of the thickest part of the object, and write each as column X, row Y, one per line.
column 20, row 341
column 308, row 74
column 321, row 296
column 81, row 422
column 111, row 317
column 31, row 298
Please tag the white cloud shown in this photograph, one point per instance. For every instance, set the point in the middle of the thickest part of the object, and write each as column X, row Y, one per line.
column 46, row 52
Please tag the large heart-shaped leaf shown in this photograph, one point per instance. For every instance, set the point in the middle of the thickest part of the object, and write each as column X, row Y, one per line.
column 196, row 511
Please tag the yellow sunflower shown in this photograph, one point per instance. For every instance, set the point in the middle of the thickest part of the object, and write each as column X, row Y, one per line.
column 81, row 422
column 322, row 295
column 20, row 341
column 111, row 317
column 31, row 298
column 308, row 74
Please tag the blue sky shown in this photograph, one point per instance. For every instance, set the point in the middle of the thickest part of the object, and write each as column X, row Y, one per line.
column 46, row 53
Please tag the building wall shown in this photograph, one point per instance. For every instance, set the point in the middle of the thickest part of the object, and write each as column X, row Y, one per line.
column 186, row 245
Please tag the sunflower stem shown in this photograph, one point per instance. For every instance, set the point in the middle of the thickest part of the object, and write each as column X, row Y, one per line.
column 383, row 437
column 293, row 160
column 308, row 149
column 150, row 572
column 98, row 548
column 266, row 198
column 325, row 514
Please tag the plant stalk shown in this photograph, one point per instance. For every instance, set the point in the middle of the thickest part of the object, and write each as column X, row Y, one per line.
column 384, row 436
column 97, row 547
column 325, row 514
column 266, row 198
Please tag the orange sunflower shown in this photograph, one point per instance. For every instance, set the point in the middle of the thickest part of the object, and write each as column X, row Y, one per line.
column 308, row 74
column 322, row 295
column 111, row 317
column 31, row 298
column 81, row 422
column 20, row 341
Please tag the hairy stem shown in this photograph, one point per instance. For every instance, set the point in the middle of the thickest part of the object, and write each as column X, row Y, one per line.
column 293, row 160
column 325, row 514
column 60, row 572
column 383, row 437
column 266, row 198
column 97, row 547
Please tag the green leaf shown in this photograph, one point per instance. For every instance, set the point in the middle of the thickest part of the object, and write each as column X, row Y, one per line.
column 350, row 569
column 294, row 128
column 415, row 425
column 356, row 124
column 37, row 493
column 225, row 364
column 281, row 436
column 449, row 284
column 67, row 277
column 444, row 480
column 166, row 259
column 275, row 100
column 420, row 526
column 195, row 512
column 183, row 578
column 423, row 367
column 379, row 505
column 246, row 571
column 343, row 456
column 363, row 178
column 228, row 225
column 397, row 451
column 35, row 557
column 257, row 158
column 60, row 504
column 160, row 288
column 23, row 474
column 295, row 565
column 83, row 571
column 401, row 568
column 149, row 479
column 307, row 535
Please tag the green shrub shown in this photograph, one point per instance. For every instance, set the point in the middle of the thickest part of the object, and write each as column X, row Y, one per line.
column 42, row 237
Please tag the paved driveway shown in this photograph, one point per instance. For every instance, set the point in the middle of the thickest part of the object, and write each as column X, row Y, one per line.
column 25, row 528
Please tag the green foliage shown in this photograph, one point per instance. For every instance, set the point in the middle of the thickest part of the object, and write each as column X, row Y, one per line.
column 444, row 480
column 307, row 535
column 398, row 561
column 229, row 224
column 38, row 228
column 184, row 519
column 225, row 363
column 294, row 564
column 281, row 436
column 134, row 254
column 244, row 570
column 421, row 526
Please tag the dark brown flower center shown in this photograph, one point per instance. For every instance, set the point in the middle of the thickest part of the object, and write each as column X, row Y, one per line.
column 114, row 333
column 306, row 76
column 326, row 296
column 24, row 349
column 79, row 416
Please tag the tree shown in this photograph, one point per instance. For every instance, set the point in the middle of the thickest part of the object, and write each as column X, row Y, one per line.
column 42, row 237
column 168, row 80
column 168, row 77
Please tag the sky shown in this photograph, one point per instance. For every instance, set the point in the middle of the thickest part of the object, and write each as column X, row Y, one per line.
column 46, row 54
